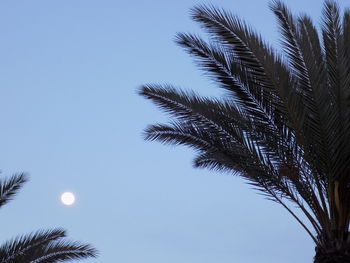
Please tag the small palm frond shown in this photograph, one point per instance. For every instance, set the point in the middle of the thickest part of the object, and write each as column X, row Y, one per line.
column 27, row 244
column 229, row 73
column 247, row 48
column 9, row 187
column 236, row 36
column 192, row 108
column 43, row 246
column 63, row 251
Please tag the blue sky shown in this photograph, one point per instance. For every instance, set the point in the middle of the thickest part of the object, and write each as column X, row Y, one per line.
column 70, row 116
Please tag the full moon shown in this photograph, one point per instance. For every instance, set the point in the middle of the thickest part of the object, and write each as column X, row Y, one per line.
column 67, row 198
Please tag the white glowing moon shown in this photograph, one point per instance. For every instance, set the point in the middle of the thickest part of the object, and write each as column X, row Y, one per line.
column 67, row 198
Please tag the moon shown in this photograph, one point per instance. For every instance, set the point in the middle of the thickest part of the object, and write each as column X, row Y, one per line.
column 67, row 198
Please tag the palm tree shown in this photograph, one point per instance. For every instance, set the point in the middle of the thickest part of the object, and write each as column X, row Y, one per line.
column 285, row 123
column 47, row 246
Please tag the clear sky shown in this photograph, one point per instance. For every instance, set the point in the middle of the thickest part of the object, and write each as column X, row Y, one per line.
column 71, row 118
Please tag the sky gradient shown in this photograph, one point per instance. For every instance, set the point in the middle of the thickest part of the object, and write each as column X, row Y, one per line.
column 71, row 118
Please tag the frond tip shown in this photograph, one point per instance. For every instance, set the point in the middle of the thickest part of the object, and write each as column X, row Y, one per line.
column 10, row 187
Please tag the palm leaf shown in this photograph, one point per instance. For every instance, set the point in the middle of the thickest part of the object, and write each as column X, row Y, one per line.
column 43, row 247
column 9, row 187
column 27, row 244
column 63, row 251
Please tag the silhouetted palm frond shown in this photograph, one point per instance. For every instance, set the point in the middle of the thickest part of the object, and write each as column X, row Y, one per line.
column 61, row 251
column 28, row 244
column 9, row 187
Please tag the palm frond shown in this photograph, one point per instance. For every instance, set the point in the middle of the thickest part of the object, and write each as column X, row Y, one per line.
column 63, row 251
column 43, row 247
column 345, row 56
column 9, row 187
column 229, row 73
column 192, row 108
column 233, row 32
column 337, row 72
column 28, row 244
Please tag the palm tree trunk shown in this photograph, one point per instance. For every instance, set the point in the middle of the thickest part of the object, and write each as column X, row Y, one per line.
column 332, row 258
column 332, row 255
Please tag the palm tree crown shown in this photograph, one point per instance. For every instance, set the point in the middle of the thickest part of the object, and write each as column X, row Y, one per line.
column 285, row 122
column 42, row 246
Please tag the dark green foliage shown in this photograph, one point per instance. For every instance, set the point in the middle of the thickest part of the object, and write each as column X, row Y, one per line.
column 42, row 246
column 285, row 124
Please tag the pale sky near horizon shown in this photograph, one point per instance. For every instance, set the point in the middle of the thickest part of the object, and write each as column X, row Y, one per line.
column 71, row 118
